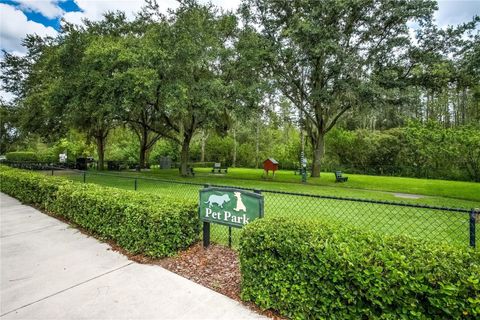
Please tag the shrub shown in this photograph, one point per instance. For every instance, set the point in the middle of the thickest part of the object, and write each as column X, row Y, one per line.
column 28, row 187
column 417, row 150
column 318, row 271
column 21, row 156
column 139, row 222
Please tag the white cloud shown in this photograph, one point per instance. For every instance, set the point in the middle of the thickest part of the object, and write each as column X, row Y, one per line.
column 453, row 12
column 6, row 96
column 94, row 10
column 14, row 26
column 225, row 4
column 48, row 8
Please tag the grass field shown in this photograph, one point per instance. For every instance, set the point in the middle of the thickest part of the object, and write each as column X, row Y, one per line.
column 437, row 225
column 434, row 192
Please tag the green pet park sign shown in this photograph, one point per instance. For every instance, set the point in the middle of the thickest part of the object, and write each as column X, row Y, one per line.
column 227, row 206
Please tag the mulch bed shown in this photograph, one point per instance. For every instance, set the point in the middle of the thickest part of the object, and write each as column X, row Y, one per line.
column 216, row 268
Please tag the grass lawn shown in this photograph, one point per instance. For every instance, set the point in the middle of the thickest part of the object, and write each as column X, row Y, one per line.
column 436, row 192
column 437, row 225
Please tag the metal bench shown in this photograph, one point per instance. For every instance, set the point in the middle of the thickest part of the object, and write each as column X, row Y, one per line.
column 339, row 177
column 217, row 168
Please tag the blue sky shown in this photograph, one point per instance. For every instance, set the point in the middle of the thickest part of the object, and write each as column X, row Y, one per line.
column 37, row 16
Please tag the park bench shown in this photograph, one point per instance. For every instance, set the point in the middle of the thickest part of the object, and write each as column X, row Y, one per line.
column 339, row 177
column 217, row 168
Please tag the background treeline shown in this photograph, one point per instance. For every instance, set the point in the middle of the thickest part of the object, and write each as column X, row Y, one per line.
column 346, row 82
column 415, row 150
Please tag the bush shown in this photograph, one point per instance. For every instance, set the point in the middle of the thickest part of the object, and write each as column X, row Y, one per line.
column 21, row 156
column 417, row 150
column 318, row 271
column 139, row 222
column 28, row 187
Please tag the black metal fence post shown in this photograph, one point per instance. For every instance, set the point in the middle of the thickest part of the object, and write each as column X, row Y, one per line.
column 206, row 228
column 52, row 171
column 84, row 177
column 136, row 184
column 473, row 217
column 259, row 192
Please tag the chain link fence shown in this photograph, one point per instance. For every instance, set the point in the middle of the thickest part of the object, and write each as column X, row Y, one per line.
column 452, row 225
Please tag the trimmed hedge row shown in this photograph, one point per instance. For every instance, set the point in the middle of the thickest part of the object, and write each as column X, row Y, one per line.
column 21, row 156
column 154, row 225
column 319, row 271
column 30, row 188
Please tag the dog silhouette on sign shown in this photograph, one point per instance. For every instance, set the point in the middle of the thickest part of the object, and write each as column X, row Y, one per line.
column 218, row 200
column 240, row 206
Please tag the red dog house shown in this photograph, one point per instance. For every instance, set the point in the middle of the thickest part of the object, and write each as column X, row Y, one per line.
column 270, row 165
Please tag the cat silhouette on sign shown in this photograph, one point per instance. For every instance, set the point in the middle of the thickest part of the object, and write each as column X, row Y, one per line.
column 240, row 206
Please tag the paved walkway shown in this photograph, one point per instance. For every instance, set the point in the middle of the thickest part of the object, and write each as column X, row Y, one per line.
column 52, row 271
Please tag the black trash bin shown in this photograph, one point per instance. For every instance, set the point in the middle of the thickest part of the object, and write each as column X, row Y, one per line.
column 81, row 164
column 113, row 165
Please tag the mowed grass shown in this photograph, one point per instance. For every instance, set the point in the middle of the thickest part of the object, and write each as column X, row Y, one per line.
column 436, row 225
column 434, row 192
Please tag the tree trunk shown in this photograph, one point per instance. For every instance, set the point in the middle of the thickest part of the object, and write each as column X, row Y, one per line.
column 257, row 145
column 234, row 160
column 143, row 155
column 203, row 143
column 147, row 155
column 100, row 151
column 318, row 145
column 143, row 148
column 184, row 156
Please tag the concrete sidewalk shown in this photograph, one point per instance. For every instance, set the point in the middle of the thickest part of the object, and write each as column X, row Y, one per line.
column 52, row 271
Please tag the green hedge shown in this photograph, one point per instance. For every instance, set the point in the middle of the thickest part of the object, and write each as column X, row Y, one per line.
column 139, row 222
column 21, row 156
column 29, row 187
column 319, row 271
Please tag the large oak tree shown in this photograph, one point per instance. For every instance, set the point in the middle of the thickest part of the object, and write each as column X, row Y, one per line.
column 323, row 53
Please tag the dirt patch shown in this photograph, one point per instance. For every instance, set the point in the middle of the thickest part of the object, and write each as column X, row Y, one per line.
column 408, row 195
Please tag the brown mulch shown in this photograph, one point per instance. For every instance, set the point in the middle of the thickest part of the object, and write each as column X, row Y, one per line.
column 216, row 268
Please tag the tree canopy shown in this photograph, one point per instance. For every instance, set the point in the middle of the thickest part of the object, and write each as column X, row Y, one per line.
column 297, row 64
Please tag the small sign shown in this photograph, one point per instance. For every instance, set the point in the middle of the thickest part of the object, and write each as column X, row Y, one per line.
column 62, row 157
column 230, row 207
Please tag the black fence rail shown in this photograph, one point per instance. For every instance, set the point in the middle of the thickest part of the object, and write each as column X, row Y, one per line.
column 455, row 226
